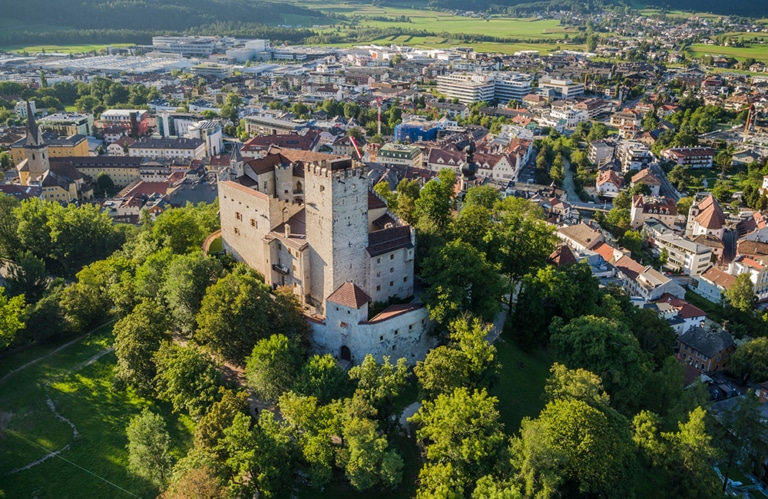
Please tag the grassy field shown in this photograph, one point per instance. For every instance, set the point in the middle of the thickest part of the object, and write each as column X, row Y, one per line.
column 78, row 381
column 521, row 385
column 757, row 52
column 63, row 49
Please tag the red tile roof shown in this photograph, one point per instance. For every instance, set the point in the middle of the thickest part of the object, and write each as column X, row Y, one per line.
column 719, row 277
column 349, row 295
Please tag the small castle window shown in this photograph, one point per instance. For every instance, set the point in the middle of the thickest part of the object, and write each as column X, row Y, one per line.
column 238, row 215
column 405, row 279
column 391, row 269
column 253, row 223
column 381, row 338
column 391, row 283
column 237, row 231
column 322, row 188
column 392, row 256
column 378, row 288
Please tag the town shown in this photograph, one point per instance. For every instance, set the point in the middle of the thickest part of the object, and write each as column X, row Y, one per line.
column 325, row 253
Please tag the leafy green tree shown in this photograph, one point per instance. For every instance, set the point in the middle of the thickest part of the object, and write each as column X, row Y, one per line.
column 743, row 435
column 460, row 280
column 472, row 225
column 184, row 283
column 234, row 315
column 461, row 429
column 11, row 317
column 640, row 189
column 368, row 462
column 598, row 131
column 45, row 319
column 322, row 377
column 649, row 121
column 469, row 360
column 26, row 275
column 138, row 336
column 200, row 483
column 690, row 451
column 482, row 195
column 741, row 294
column 9, row 240
column 521, row 239
column 210, row 429
column 557, row 170
column 408, row 191
column 187, row 378
column 105, row 185
column 436, row 199
column 390, row 197
column 260, row 458
column 575, row 384
column 149, row 447
column 750, row 361
column 607, row 348
column 379, row 384
column 272, row 366
column 684, row 205
column 179, row 230
column 574, row 449
column 287, row 316
column 633, row 241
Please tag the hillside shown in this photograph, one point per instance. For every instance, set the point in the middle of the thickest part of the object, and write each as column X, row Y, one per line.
column 152, row 15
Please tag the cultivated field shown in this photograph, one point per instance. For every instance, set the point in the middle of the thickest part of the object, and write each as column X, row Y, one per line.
column 62, row 49
column 758, row 52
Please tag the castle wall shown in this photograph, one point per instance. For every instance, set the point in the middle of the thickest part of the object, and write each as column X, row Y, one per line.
column 391, row 274
column 405, row 335
column 245, row 222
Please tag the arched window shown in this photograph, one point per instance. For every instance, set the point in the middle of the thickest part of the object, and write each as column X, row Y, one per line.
column 345, row 353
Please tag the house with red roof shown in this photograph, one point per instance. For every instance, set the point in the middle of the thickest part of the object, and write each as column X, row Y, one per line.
column 609, row 184
column 713, row 284
column 706, row 217
column 681, row 314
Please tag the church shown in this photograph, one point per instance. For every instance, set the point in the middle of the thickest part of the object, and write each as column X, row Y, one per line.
column 309, row 221
column 59, row 181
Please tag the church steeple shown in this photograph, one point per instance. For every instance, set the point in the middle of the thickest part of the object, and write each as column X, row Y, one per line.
column 34, row 135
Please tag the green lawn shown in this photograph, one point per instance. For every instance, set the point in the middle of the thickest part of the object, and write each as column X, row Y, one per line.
column 520, row 387
column 758, row 52
column 80, row 386
column 65, row 49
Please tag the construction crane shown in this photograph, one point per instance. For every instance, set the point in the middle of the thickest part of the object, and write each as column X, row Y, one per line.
column 746, row 125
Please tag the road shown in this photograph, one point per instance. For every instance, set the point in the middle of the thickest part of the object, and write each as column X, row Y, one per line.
column 667, row 190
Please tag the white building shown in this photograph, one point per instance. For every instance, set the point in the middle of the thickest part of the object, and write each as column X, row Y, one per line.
column 634, row 155
column 684, row 256
column 473, row 87
column 713, row 284
column 182, row 148
column 564, row 88
column 211, row 133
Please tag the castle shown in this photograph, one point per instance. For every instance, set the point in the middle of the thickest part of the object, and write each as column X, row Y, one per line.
column 309, row 221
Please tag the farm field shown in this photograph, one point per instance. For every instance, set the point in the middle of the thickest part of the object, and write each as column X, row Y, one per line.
column 77, row 381
column 441, row 42
column 757, row 52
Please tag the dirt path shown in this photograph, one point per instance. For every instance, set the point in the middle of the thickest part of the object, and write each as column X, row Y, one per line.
column 53, row 352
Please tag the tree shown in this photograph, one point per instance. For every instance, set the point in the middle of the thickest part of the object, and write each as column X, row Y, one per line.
column 435, row 200
column 379, row 384
column 105, row 185
column 367, row 460
column 606, row 348
column 575, row 384
column 460, row 279
column 210, row 429
column 149, row 447
column 598, row 131
column 195, row 483
column 461, row 429
column 260, row 458
column 234, row 315
column 27, row 276
column 650, row 121
column 741, row 294
column 684, row 205
column 743, row 435
column 408, row 191
column 750, row 361
column 472, row 225
column 482, row 195
column 187, row 378
column 272, row 366
column 723, row 191
column 690, row 451
column 9, row 240
column 322, row 377
column 11, row 317
column 468, row 360
column 138, row 336
column 641, row 189
column 574, row 449
column 179, row 230
column 185, row 280
column 557, row 170
column 633, row 241
column 521, row 240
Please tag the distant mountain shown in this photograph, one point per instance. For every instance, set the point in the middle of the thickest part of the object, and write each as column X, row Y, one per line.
column 153, row 15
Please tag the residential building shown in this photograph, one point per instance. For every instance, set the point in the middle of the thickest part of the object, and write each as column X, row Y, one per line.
column 21, row 108
column 757, row 268
column 647, row 177
column 608, row 184
column 645, row 283
column 182, row 148
column 134, row 120
column 692, row 157
column 563, row 88
column 399, row 154
column 211, row 133
column 705, row 217
column 473, row 87
column 267, row 125
column 680, row 314
column 646, row 207
column 68, row 123
column 600, row 152
column 634, row 155
column 121, row 169
column 705, row 350
column 684, row 255
column 580, row 237
column 713, row 284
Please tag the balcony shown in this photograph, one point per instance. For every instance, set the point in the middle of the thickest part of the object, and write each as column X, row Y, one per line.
column 280, row 268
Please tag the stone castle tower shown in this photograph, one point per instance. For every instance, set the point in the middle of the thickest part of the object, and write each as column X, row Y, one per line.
column 337, row 205
column 37, row 162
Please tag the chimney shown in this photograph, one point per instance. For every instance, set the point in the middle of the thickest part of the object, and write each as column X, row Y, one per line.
column 287, row 228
